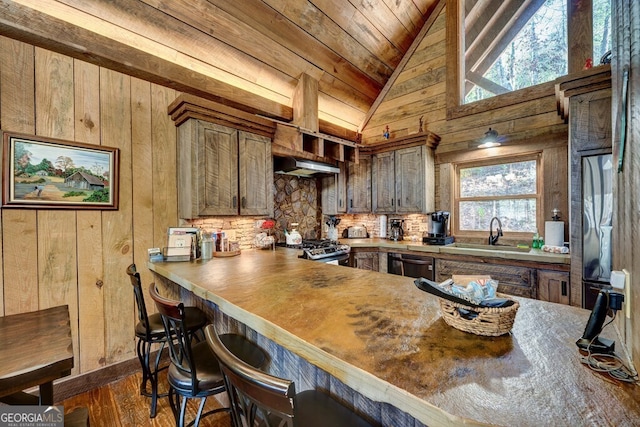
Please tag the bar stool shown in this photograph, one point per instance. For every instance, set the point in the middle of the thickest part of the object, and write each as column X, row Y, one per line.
column 149, row 331
column 258, row 398
column 194, row 371
column 408, row 261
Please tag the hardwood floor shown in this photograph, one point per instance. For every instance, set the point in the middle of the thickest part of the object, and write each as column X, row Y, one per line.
column 120, row 404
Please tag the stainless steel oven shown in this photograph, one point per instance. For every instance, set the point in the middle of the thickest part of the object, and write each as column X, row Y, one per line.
column 325, row 251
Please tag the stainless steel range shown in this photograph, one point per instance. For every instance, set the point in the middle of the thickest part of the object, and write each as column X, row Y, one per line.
column 325, row 251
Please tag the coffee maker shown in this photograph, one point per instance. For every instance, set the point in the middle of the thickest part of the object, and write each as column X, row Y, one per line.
column 397, row 232
column 438, row 233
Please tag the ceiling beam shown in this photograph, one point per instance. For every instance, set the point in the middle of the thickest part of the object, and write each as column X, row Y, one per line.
column 491, row 86
column 41, row 29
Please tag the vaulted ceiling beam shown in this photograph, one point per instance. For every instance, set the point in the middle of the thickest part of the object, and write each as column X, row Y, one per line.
column 40, row 28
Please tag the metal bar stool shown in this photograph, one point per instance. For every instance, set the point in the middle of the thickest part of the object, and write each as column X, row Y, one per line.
column 258, row 398
column 149, row 331
column 194, row 371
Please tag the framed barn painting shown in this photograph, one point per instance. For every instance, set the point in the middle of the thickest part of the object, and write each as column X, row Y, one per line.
column 49, row 173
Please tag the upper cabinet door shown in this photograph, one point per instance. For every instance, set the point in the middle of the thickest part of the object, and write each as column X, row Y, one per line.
column 410, row 185
column 256, row 174
column 218, row 146
column 207, row 169
column 359, row 186
column 334, row 192
column 223, row 171
column 383, row 191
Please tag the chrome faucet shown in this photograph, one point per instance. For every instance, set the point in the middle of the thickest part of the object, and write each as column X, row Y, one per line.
column 494, row 239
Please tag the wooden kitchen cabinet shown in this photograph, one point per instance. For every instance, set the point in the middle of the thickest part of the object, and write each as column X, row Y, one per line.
column 359, row 186
column 334, row 192
column 223, row 171
column 383, row 186
column 364, row 260
column 553, row 286
column 512, row 279
column 403, row 181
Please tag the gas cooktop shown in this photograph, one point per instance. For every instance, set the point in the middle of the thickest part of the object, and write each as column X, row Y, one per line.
column 322, row 252
column 320, row 249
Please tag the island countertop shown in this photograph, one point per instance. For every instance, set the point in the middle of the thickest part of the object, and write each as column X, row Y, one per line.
column 384, row 338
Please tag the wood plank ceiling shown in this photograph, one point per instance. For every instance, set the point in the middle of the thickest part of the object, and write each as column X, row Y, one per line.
column 249, row 51
column 249, row 54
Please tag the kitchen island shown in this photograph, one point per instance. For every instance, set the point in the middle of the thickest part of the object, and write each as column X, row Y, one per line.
column 385, row 339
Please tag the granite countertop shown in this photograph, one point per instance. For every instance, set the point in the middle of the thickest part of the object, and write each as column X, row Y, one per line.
column 485, row 251
column 384, row 338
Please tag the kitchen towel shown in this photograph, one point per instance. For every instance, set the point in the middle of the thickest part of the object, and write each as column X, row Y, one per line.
column 554, row 233
column 555, row 249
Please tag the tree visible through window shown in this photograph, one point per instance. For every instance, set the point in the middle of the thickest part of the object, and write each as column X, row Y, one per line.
column 601, row 29
column 508, row 191
column 529, row 49
column 514, row 44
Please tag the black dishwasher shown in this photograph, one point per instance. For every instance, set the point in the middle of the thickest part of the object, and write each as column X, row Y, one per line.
column 410, row 265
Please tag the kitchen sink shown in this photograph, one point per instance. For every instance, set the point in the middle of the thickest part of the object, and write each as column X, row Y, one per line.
column 497, row 247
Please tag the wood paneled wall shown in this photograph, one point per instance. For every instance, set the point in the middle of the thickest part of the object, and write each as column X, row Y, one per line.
column 526, row 119
column 54, row 257
column 626, row 187
column 529, row 116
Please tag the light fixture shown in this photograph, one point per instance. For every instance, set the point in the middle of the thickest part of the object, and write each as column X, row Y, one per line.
column 490, row 139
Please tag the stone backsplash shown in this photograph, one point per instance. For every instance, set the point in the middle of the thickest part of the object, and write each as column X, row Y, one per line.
column 297, row 200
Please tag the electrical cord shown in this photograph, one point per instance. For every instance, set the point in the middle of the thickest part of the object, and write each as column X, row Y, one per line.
column 610, row 364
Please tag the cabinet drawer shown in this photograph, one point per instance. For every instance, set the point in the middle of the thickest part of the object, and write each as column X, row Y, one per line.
column 512, row 280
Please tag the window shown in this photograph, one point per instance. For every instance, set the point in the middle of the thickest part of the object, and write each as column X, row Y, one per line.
column 601, row 29
column 513, row 45
column 507, row 190
column 508, row 45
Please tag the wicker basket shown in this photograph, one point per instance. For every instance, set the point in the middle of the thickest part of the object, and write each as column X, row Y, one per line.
column 489, row 321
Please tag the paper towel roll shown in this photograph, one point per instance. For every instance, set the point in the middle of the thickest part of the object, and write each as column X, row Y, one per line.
column 554, row 233
column 383, row 226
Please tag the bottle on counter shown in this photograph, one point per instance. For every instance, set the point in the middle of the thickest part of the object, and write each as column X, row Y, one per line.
column 535, row 241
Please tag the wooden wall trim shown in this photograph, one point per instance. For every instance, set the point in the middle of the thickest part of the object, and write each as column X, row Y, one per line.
column 454, row 41
column 527, row 140
column 67, row 388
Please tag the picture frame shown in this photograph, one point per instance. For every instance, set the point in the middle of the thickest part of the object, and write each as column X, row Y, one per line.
column 49, row 173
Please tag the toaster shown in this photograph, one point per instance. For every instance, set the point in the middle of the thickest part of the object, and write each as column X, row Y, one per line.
column 357, row 232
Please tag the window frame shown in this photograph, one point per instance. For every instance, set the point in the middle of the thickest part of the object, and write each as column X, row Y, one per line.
column 455, row 81
column 578, row 23
column 455, row 202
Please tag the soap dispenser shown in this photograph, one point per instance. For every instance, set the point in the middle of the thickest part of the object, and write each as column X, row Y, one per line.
column 535, row 242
